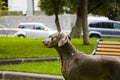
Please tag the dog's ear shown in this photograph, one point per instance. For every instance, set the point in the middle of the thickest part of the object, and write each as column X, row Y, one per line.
column 63, row 39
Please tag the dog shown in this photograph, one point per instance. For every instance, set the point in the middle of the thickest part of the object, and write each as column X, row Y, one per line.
column 76, row 65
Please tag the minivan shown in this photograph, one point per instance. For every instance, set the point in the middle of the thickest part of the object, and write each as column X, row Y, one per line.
column 104, row 28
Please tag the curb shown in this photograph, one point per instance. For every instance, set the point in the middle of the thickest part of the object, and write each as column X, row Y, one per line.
column 8, row 75
column 17, row 61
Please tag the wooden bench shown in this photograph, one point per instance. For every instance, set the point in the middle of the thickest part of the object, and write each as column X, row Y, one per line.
column 107, row 48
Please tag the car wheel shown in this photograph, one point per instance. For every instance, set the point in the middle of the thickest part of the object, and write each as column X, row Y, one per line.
column 21, row 36
column 95, row 36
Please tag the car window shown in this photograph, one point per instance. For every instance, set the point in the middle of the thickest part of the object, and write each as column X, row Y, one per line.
column 94, row 25
column 21, row 26
column 102, row 25
column 116, row 25
column 107, row 25
column 26, row 26
column 38, row 27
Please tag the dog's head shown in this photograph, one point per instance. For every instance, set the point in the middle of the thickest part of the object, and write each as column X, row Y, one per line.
column 57, row 39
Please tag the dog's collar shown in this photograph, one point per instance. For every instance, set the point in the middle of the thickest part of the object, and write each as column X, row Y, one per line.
column 71, row 54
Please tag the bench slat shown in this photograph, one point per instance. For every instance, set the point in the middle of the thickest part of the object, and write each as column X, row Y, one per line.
column 108, row 50
column 108, row 46
column 108, row 53
column 110, row 56
column 109, row 42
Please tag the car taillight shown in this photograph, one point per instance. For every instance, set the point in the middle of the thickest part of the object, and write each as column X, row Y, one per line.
column 17, row 30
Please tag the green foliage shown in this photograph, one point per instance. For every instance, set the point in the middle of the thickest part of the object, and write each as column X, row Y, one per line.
column 101, row 7
column 52, row 6
column 2, row 7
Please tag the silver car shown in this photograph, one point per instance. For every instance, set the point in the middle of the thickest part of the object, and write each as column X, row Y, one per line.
column 33, row 30
column 104, row 28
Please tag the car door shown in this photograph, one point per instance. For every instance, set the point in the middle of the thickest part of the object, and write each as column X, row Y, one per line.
column 116, row 29
column 29, row 29
column 111, row 29
column 107, row 29
column 40, row 31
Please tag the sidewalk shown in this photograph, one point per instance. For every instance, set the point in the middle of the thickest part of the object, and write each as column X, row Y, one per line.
column 20, row 60
column 8, row 75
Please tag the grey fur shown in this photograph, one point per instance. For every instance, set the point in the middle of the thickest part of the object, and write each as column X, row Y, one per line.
column 80, row 66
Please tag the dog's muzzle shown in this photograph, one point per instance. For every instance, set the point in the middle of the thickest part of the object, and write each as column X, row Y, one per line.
column 46, row 43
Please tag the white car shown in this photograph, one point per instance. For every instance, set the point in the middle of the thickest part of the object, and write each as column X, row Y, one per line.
column 33, row 30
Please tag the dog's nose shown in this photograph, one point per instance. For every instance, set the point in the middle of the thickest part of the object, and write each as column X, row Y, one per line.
column 43, row 41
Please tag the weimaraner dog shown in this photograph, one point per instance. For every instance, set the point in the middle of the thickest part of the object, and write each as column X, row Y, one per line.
column 80, row 66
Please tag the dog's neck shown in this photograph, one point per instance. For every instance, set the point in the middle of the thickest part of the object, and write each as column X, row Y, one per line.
column 66, row 51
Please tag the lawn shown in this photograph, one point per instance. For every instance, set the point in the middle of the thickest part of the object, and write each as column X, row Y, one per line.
column 27, row 47
column 24, row 48
column 52, row 68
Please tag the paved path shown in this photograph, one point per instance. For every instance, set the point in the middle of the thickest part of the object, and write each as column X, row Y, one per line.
column 8, row 75
column 19, row 60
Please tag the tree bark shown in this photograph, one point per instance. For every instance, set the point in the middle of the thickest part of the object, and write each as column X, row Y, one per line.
column 57, row 22
column 76, row 30
column 84, row 22
column 56, row 11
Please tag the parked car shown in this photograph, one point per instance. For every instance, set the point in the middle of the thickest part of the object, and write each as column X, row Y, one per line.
column 3, row 26
column 33, row 30
column 104, row 28
column 6, row 31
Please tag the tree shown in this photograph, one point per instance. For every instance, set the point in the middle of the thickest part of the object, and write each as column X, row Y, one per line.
column 2, row 7
column 52, row 7
column 75, row 7
column 99, row 7
column 103, row 7
column 80, row 7
column 84, row 21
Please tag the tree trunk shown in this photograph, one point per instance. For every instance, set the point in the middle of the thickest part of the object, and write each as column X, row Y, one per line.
column 76, row 30
column 56, row 11
column 84, row 22
column 57, row 22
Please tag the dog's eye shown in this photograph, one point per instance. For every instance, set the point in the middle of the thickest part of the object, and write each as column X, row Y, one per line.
column 54, row 39
column 49, row 37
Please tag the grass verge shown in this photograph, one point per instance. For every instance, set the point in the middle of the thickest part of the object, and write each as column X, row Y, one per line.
column 24, row 48
column 52, row 68
column 27, row 47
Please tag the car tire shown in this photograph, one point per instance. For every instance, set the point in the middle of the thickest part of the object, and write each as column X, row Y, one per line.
column 21, row 36
column 95, row 36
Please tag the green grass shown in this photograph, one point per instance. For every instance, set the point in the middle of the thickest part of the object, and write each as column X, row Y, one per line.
column 27, row 47
column 24, row 47
column 12, row 47
column 52, row 68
